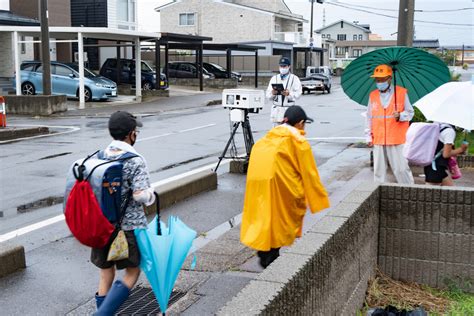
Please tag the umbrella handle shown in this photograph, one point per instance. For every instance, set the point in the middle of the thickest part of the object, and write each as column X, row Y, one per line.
column 158, row 225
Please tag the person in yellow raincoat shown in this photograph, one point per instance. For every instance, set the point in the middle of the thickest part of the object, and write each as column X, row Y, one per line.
column 282, row 180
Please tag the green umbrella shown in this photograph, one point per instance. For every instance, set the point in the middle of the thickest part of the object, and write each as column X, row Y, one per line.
column 414, row 69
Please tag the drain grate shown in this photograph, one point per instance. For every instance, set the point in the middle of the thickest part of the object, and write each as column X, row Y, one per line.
column 142, row 301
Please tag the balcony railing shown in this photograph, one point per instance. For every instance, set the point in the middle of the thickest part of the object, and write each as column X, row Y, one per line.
column 292, row 37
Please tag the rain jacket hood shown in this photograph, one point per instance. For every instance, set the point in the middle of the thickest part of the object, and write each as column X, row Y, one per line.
column 282, row 180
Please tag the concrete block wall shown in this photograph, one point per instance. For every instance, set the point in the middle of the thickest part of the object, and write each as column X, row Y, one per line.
column 427, row 235
column 466, row 161
column 323, row 273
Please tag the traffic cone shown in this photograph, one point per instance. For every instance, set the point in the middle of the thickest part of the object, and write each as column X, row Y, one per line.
column 3, row 114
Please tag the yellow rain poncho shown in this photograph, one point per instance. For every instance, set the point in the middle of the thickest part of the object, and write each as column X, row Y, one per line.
column 282, row 180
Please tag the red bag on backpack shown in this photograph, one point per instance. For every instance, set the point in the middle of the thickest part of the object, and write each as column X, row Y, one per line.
column 89, row 225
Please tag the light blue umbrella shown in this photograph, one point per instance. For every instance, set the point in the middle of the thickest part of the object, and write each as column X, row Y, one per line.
column 163, row 250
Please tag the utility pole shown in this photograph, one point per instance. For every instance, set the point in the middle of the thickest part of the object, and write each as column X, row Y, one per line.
column 311, row 39
column 45, row 57
column 462, row 56
column 406, row 16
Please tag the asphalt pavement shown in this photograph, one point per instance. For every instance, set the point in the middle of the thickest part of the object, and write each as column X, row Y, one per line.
column 180, row 134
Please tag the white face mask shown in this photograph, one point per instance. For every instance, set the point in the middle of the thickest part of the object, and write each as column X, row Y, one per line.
column 284, row 70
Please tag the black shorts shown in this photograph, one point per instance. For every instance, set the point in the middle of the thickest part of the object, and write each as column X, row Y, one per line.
column 437, row 176
column 99, row 256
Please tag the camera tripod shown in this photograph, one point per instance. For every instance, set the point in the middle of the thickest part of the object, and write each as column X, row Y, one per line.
column 248, row 138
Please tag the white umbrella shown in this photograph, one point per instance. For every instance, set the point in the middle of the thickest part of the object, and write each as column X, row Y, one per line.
column 451, row 103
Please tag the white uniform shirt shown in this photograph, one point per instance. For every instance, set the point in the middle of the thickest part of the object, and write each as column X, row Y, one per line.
column 405, row 116
column 290, row 82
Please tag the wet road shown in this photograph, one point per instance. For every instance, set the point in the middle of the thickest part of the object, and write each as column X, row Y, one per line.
column 32, row 172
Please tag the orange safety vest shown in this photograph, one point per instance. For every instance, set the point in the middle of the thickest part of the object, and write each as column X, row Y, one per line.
column 385, row 129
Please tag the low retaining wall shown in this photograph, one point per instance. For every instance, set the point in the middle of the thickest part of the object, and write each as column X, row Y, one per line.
column 325, row 272
column 465, row 161
column 41, row 105
column 12, row 258
column 414, row 233
column 208, row 83
column 427, row 235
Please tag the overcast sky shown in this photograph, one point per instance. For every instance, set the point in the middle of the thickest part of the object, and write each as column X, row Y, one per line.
column 384, row 26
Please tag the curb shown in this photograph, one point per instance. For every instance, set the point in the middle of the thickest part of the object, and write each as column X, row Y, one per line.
column 178, row 190
column 12, row 258
column 14, row 133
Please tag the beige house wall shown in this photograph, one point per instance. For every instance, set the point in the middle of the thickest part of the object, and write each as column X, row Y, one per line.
column 209, row 21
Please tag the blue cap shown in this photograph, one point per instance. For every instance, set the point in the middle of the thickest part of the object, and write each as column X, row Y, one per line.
column 284, row 61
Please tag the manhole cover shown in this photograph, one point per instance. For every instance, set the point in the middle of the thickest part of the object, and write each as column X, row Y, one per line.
column 142, row 301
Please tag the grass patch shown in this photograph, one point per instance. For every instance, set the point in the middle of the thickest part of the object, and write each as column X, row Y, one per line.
column 383, row 291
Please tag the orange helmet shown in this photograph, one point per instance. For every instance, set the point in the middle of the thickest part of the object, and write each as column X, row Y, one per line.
column 382, row 71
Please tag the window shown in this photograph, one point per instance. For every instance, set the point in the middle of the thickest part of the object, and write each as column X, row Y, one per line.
column 299, row 27
column 354, row 37
column 277, row 28
column 186, row 19
column 126, row 10
column 356, row 52
column 341, row 37
column 323, row 35
column 328, row 36
column 342, row 50
column 360, row 37
column 62, row 71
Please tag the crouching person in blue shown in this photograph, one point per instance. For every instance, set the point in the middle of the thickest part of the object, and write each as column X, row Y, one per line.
column 110, row 295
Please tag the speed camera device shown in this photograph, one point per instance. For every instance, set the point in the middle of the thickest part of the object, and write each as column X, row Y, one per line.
column 243, row 99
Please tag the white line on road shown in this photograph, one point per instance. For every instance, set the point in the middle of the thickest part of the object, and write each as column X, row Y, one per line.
column 71, row 130
column 30, row 228
column 167, row 134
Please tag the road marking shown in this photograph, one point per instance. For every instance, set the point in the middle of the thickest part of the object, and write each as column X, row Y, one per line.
column 71, row 130
column 195, row 128
column 178, row 132
column 336, row 138
column 30, row 228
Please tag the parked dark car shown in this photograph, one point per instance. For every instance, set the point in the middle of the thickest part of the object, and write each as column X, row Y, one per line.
column 127, row 75
column 65, row 80
column 316, row 82
column 221, row 72
column 185, row 69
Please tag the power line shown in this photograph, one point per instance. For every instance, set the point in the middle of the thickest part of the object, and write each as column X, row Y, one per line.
column 395, row 10
column 396, row 17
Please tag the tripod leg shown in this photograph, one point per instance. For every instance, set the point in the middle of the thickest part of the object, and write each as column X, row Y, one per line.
column 248, row 137
column 236, row 126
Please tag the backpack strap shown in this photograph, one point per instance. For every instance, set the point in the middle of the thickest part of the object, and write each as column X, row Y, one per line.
column 124, row 157
column 440, row 153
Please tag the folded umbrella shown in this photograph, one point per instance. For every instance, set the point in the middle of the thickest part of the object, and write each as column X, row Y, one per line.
column 451, row 103
column 163, row 250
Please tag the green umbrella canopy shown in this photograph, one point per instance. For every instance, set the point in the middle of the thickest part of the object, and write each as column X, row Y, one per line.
column 414, row 69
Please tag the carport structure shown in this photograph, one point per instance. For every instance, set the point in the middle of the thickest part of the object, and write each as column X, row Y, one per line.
column 191, row 42
column 77, row 35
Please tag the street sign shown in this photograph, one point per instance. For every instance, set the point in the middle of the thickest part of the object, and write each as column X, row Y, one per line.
column 311, row 39
column 311, row 44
